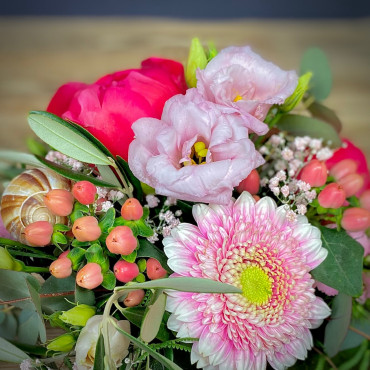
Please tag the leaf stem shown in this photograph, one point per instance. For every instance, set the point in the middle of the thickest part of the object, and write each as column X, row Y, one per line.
column 331, row 363
column 35, row 269
column 359, row 332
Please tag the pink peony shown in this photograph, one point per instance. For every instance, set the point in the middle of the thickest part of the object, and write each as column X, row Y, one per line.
column 242, row 80
column 167, row 154
column 108, row 107
column 255, row 247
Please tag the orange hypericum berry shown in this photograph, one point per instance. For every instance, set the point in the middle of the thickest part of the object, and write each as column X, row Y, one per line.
column 154, row 269
column 251, row 183
column 134, row 298
column 343, row 168
column 59, row 201
column 39, row 233
column 356, row 219
column 121, row 240
column 351, row 183
column 125, row 271
column 132, row 210
column 84, row 192
column 86, row 229
column 64, row 254
column 61, row 268
column 365, row 199
column 314, row 173
column 89, row 276
column 332, row 196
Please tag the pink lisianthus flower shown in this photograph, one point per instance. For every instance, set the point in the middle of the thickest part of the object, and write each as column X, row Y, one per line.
column 255, row 247
column 167, row 154
column 240, row 79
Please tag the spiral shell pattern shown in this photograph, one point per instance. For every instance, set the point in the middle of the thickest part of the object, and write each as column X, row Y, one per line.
column 22, row 202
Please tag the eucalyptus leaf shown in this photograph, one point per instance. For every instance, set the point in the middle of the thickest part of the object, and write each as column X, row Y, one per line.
column 18, row 157
column 72, row 175
column 8, row 326
column 99, row 354
column 147, row 249
column 65, row 138
column 337, row 327
column 28, row 329
column 326, row 114
column 314, row 60
column 37, row 302
column 11, row 353
column 353, row 339
column 163, row 360
column 302, row 126
column 84, row 296
column 342, row 268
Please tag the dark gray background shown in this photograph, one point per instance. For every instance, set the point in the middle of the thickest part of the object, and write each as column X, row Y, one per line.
column 191, row 9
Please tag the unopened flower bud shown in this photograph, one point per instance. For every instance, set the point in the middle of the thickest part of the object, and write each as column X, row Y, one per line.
column 38, row 234
column 84, row 192
column 59, row 201
column 343, row 168
column 121, row 240
column 61, row 268
column 78, row 315
column 63, row 343
column 89, row 276
column 332, row 196
column 154, row 269
column 356, row 219
column 314, row 173
column 132, row 210
column 125, row 271
column 251, row 183
column 351, row 183
column 365, row 199
column 141, row 264
column 134, row 298
column 86, row 229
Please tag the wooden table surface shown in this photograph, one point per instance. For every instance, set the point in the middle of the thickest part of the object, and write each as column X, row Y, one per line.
column 39, row 54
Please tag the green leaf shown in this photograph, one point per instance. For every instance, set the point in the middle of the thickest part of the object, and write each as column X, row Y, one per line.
column 127, row 173
column 342, row 268
column 163, row 360
column 72, row 175
column 109, row 280
column 314, row 60
column 65, row 138
column 84, row 296
column 18, row 157
column 147, row 249
column 197, row 59
column 336, row 329
column 8, row 325
column 108, row 175
column 185, row 284
column 301, row 125
column 143, row 229
column 130, row 257
column 61, row 227
column 95, row 254
column 10, row 353
column 76, row 255
column 28, row 329
column 353, row 339
column 99, row 354
column 59, row 238
column 153, row 318
column 325, row 114
column 36, row 147
column 107, row 220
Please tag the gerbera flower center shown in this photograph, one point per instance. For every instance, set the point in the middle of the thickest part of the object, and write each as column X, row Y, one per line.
column 198, row 154
column 256, row 285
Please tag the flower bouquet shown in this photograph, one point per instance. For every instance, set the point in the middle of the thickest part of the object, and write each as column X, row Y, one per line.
column 208, row 218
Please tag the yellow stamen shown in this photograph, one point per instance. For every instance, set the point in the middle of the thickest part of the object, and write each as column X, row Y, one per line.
column 256, row 285
column 203, row 153
column 237, row 98
column 199, row 146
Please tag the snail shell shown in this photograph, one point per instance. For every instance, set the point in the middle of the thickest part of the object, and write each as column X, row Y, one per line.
column 23, row 200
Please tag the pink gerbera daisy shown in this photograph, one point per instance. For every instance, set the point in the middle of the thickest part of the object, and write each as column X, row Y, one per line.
column 255, row 247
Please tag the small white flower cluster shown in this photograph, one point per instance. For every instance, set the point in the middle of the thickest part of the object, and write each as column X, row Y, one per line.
column 167, row 219
column 62, row 159
column 285, row 157
column 106, row 199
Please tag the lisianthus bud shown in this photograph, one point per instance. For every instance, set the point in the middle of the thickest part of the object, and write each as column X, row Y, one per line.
column 314, row 173
column 59, row 201
column 63, row 343
column 134, row 298
column 89, row 276
column 343, row 168
column 121, row 240
column 61, row 268
column 8, row 262
column 125, row 271
column 84, row 192
column 351, row 183
column 86, row 229
column 154, row 269
column 38, row 233
column 356, row 219
column 332, row 196
column 132, row 210
column 78, row 315
column 251, row 183
column 197, row 59
column 365, row 199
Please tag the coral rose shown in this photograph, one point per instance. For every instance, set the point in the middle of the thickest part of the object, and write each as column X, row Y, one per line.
column 198, row 151
column 242, row 80
column 108, row 107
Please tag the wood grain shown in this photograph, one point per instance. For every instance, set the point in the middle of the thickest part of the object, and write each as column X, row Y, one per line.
column 39, row 54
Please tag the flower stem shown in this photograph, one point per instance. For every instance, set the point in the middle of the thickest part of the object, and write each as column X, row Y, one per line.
column 35, row 269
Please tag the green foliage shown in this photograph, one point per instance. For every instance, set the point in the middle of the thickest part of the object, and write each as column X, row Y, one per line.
column 109, row 280
column 18, row 157
column 326, row 114
column 84, row 296
column 130, row 257
column 77, row 256
column 107, row 220
column 342, row 268
column 138, row 227
column 130, row 178
column 99, row 354
column 10, row 353
column 197, row 59
column 96, row 254
column 147, row 249
column 37, row 147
